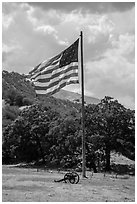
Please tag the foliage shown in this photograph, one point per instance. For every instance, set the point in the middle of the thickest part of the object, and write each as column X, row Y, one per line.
column 14, row 98
column 66, row 142
column 109, row 122
column 9, row 114
column 27, row 101
column 17, row 82
column 40, row 133
column 26, row 135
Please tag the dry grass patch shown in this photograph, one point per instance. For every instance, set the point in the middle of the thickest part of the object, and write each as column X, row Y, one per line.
column 28, row 185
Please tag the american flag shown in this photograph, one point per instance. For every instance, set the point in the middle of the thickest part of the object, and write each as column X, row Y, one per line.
column 53, row 74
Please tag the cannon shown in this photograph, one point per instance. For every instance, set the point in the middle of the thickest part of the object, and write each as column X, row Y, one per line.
column 71, row 177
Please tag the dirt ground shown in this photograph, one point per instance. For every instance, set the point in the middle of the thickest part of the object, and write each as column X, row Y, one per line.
column 28, row 185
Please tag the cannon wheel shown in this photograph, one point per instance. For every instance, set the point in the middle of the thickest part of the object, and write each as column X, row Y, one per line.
column 67, row 177
column 72, row 177
column 76, row 176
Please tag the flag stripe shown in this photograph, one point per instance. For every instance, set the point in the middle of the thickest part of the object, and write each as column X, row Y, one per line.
column 47, row 70
column 35, row 69
column 45, row 86
column 57, row 73
column 45, row 65
column 55, row 81
column 53, row 90
column 53, row 70
column 52, row 60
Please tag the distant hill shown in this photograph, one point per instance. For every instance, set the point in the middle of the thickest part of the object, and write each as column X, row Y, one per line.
column 20, row 83
column 75, row 97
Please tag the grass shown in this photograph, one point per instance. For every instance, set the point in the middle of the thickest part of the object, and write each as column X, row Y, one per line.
column 30, row 185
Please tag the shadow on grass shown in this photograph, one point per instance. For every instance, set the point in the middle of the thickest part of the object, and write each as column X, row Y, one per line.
column 119, row 169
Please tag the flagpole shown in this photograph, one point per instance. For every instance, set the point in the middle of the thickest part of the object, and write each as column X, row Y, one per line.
column 83, row 124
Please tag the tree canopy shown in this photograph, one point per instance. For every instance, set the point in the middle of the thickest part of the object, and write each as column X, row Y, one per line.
column 41, row 134
column 112, row 126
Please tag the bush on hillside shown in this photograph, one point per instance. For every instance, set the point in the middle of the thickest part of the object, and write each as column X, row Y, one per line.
column 14, row 98
column 9, row 114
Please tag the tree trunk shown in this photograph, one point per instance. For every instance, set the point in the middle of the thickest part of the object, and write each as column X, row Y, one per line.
column 94, row 168
column 107, row 151
column 41, row 150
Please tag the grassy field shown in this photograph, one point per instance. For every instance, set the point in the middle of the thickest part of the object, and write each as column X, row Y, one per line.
column 28, row 185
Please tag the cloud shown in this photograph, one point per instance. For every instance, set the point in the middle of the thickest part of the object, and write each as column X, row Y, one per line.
column 124, row 22
column 113, row 74
column 4, row 57
column 46, row 29
column 6, row 48
column 101, row 26
column 125, row 46
column 7, row 20
column 94, row 7
column 29, row 41
column 33, row 32
column 38, row 16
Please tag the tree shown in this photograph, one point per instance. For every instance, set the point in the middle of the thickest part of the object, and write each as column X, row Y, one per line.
column 9, row 114
column 27, row 101
column 13, row 97
column 110, row 121
column 40, row 133
column 26, row 138
column 66, row 141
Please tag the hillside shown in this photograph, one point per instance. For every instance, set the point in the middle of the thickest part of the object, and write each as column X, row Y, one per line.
column 20, row 83
column 66, row 103
column 75, row 97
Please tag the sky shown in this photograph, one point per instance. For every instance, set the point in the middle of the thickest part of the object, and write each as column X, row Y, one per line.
column 34, row 32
